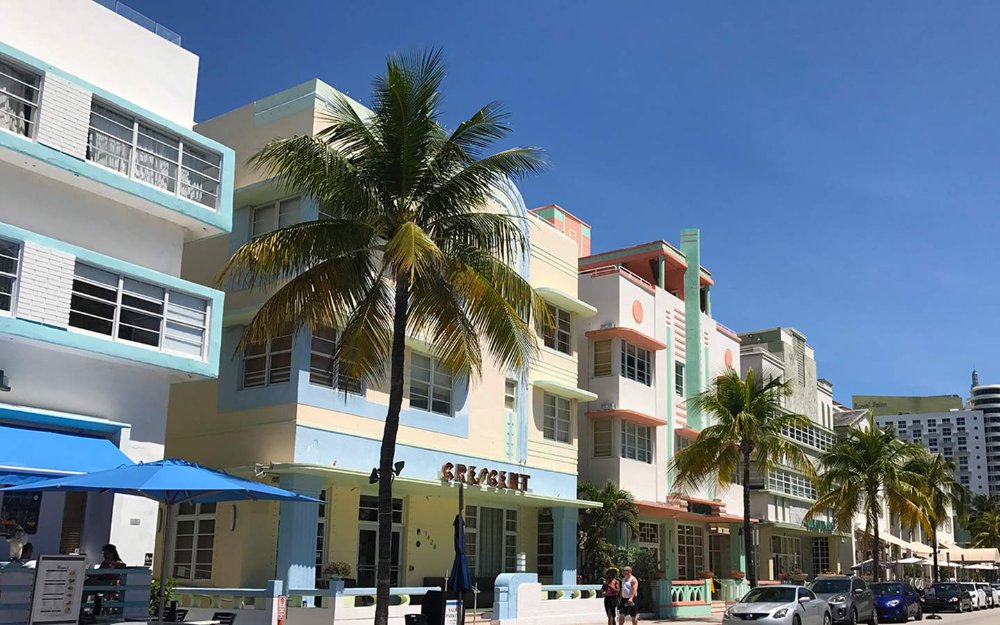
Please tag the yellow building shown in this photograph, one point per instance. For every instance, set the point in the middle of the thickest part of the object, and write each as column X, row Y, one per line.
column 280, row 414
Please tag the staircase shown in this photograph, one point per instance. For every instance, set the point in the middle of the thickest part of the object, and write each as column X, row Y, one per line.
column 718, row 607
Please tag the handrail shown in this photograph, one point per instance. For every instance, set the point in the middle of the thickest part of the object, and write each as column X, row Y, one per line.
column 555, row 587
column 138, row 18
column 209, row 591
column 609, row 269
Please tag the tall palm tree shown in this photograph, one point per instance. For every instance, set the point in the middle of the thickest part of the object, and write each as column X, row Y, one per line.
column 866, row 468
column 942, row 495
column 407, row 246
column 597, row 524
column 986, row 530
column 748, row 422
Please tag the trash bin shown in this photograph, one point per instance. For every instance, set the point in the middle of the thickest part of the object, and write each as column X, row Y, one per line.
column 415, row 619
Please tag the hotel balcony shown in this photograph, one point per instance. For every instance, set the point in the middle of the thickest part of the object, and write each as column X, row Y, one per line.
column 60, row 296
column 61, row 127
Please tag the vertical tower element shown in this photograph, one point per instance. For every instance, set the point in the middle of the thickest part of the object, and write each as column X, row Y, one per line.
column 691, row 248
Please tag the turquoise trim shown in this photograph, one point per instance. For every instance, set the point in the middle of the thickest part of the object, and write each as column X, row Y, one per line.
column 220, row 218
column 691, row 248
column 54, row 418
column 106, row 346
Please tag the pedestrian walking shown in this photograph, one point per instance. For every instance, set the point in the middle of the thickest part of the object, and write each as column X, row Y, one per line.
column 629, row 592
column 611, row 590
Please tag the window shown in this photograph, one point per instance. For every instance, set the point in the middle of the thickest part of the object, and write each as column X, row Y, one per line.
column 636, row 364
column 323, row 369
column 602, row 438
column 268, row 363
column 558, row 335
column 137, row 312
column 430, row 385
column 491, row 540
column 679, row 378
column 555, row 426
column 820, row 555
column 546, row 544
column 368, row 540
column 680, row 442
column 636, row 442
column 788, row 483
column 10, row 255
column 194, row 540
column 18, row 99
column 143, row 152
column 787, row 553
column 321, row 523
column 510, row 395
column 271, row 217
column 810, row 435
column 602, row 358
column 690, row 551
column 649, row 538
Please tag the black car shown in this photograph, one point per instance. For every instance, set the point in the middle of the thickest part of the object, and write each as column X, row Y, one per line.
column 947, row 597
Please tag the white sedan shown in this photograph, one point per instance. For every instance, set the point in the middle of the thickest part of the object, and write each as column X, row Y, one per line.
column 779, row 605
column 976, row 594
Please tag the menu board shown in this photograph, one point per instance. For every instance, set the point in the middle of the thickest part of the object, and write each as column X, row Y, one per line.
column 58, row 590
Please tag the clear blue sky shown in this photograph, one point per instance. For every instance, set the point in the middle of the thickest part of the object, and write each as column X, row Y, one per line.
column 839, row 158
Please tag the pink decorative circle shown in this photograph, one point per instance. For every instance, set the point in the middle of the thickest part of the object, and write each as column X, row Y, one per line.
column 728, row 358
column 637, row 311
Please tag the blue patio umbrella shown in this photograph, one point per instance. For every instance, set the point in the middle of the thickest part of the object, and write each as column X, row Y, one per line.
column 170, row 482
column 460, row 581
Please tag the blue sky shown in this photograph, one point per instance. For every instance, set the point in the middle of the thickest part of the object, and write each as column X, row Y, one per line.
column 839, row 158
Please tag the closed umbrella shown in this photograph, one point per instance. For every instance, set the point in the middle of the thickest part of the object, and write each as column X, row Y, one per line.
column 170, row 482
column 460, row 581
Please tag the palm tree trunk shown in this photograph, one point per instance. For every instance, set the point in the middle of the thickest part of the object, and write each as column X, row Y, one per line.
column 934, row 546
column 876, row 572
column 747, row 536
column 388, row 451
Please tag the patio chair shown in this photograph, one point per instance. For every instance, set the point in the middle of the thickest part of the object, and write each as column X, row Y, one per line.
column 179, row 615
column 225, row 618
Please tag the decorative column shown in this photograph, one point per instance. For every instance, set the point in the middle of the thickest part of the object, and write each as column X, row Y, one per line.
column 564, row 550
column 297, row 526
column 691, row 248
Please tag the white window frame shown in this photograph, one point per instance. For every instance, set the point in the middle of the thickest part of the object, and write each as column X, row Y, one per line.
column 431, row 384
column 557, row 418
column 17, row 259
column 31, row 126
column 510, row 395
column 559, row 335
column 603, row 428
column 690, row 545
column 604, row 348
column 197, row 517
column 397, row 526
column 649, row 538
column 168, row 315
column 267, row 353
column 323, row 346
column 546, row 545
column 287, row 211
column 511, row 521
column 637, row 442
column 792, row 484
column 679, row 378
column 637, row 363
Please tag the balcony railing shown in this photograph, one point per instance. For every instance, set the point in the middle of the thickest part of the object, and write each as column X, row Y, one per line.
column 138, row 18
column 18, row 99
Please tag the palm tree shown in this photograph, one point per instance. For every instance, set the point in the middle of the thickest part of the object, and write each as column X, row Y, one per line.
column 866, row 468
column 748, row 423
column 407, row 246
column 942, row 494
column 986, row 530
column 597, row 524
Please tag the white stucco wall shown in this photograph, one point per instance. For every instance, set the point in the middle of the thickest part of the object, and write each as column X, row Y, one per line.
column 85, row 39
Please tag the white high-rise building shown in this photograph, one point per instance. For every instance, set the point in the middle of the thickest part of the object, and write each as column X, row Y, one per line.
column 986, row 398
column 102, row 181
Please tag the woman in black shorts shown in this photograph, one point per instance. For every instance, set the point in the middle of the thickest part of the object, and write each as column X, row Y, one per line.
column 610, row 590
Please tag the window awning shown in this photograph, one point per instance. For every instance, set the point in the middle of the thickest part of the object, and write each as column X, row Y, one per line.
column 566, row 301
column 565, row 390
column 27, row 453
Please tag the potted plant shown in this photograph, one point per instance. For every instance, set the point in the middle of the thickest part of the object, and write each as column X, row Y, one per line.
column 706, row 574
column 659, row 574
column 738, row 575
column 336, row 570
column 797, row 575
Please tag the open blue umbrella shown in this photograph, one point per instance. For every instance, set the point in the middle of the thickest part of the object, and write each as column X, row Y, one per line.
column 460, row 581
column 170, row 482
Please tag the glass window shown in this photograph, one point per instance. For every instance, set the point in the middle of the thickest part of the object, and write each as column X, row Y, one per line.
column 679, row 378
column 510, row 395
column 273, row 216
column 637, row 442
column 267, row 363
column 820, row 555
column 142, row 151
column 636, row 364
column 323, row 368
column 559, row 334
column 430, row 385
column 10, row 256
column 602, row 358
column 787, row 554
column 194, row 541
column 129, row 310
column 556, row 422
column 18, row 99
column 368, row 540
column 789, row 483
column 649, row 538
column 602, row 438
column 690, row 551
column 546, row 545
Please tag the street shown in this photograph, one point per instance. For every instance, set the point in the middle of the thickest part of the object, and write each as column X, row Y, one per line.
column 982, row 617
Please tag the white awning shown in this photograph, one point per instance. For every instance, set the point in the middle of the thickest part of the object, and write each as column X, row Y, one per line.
column 565, row 390
column 566, row 301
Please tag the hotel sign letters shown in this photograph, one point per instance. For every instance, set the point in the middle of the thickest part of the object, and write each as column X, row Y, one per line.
column 482, row 476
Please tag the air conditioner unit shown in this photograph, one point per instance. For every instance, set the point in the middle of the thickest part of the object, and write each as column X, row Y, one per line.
column 607, row 324
column 608, row 405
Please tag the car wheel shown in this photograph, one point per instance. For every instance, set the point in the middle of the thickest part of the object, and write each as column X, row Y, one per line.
column 827, row 619
column 960, row 608
column 796, row 620
column 873, row 619
column 854, row 616
column 920, row 613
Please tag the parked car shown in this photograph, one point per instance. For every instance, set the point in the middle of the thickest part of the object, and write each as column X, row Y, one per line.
column 947, row 597
column 996, row 593
column 991, row 601
column 976, row 594
column 851, row 600
column 897, row 601
column 779, row 605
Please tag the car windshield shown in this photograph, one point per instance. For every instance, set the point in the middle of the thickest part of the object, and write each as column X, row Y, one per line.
column 830, row 586
column 969, row 586
column 770, row 595
column 887, row 590
column 946, row 589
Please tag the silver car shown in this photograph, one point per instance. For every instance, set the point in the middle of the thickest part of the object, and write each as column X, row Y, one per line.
column 851, row 599
column 779, row 605
column 976, row 594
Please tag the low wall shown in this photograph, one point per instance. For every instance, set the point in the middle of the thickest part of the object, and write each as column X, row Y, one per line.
column 679, row 598
column 521, row 600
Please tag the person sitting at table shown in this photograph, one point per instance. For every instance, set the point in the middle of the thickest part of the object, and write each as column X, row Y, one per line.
column 111, row 561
